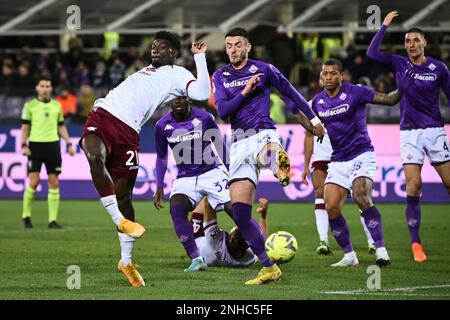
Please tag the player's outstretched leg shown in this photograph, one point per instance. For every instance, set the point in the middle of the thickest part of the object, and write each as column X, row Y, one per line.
column 124, row 189
column 273, row 156
column 95, row 152
column 180, row 205
column 242, row 192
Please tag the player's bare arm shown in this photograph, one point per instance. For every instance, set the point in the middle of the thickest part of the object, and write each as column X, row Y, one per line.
column 388, row 99
column 65, row 135
column 304, row 121
column 158, row 198
column 25, row 132
column 308, row 151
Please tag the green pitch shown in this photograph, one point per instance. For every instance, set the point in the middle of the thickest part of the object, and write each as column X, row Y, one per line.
column 34, row 262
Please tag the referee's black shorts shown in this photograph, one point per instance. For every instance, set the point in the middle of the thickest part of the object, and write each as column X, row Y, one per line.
column 48, row 153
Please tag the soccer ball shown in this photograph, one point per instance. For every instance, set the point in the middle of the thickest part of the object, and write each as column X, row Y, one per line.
column 281, row 247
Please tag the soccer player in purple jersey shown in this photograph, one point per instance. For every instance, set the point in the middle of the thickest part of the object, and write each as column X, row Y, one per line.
column 189, row 133
column 342, row 108
column 421, row 125
column 241, row 92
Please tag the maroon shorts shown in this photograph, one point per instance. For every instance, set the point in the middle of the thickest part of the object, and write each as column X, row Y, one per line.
column 320, row 165
column 121, row 141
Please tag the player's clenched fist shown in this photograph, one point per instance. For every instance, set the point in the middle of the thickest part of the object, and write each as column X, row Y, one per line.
column 198, row 47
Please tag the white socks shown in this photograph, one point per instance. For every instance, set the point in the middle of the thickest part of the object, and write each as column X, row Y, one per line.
column 321, row 221
column 368, row 235
column 126, row 246
column 110, row 204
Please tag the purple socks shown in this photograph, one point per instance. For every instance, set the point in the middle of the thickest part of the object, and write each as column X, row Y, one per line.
column 183, row 229
column 340, row 231
column 372, row 218
column 413, row 217
column 250, row 229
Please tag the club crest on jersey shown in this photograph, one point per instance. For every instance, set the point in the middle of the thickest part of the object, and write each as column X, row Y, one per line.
column 432, row 66
column 253, row 68
column 196, row 122
column 168, row 127
column 343, row 96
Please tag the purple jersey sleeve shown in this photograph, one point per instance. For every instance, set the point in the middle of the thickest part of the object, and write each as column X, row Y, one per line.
column 445, row 82
column 161, row 156
column 279, row 81
column 225, row 106
column 373, row 51
column 366, row 94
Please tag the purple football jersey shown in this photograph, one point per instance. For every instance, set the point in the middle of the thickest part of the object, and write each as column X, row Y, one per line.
column 253, row 111
column 419, row 107
column 344, row 117
column 190, row 141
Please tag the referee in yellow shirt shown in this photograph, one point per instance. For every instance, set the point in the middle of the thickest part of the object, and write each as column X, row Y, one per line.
column 42, row 120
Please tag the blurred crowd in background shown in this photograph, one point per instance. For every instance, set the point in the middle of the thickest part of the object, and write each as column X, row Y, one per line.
column 82, row 75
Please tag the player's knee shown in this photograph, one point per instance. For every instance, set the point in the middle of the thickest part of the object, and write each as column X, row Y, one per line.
column 319, row 193
column 414, row 187
column 333, row 210
column 96, row 162
column 362, row 198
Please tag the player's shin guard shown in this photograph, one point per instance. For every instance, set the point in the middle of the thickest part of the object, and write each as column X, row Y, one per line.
column 413, row 217
column 28, row 198
column 126, row 248
column 183, row 229
column 341, row 233
column 250, row 229
column 53, row 204
column 372, row 218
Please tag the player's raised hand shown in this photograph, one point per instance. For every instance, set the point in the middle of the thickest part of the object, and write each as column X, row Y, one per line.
column 158, row 198
column 404, row 80
column 319, row 131
column 305, row 175
column 198, row 47
column 252, row 83
column 389, row 17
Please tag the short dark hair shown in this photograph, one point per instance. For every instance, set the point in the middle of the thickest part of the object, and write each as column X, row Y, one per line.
column 171, row 37
column 417, row 30
column 237, row 32
column 43, row 78
column 334, row 62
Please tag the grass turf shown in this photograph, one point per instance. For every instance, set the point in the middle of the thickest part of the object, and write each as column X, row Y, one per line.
column 34, row 262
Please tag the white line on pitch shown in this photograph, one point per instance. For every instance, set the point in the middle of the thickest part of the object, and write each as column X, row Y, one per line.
column 386, row 291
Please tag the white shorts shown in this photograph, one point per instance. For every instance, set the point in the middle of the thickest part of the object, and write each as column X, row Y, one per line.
column 213, row 184
column 343, row 173
column 433, row 142
column 244, row 154
column 322, row 151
